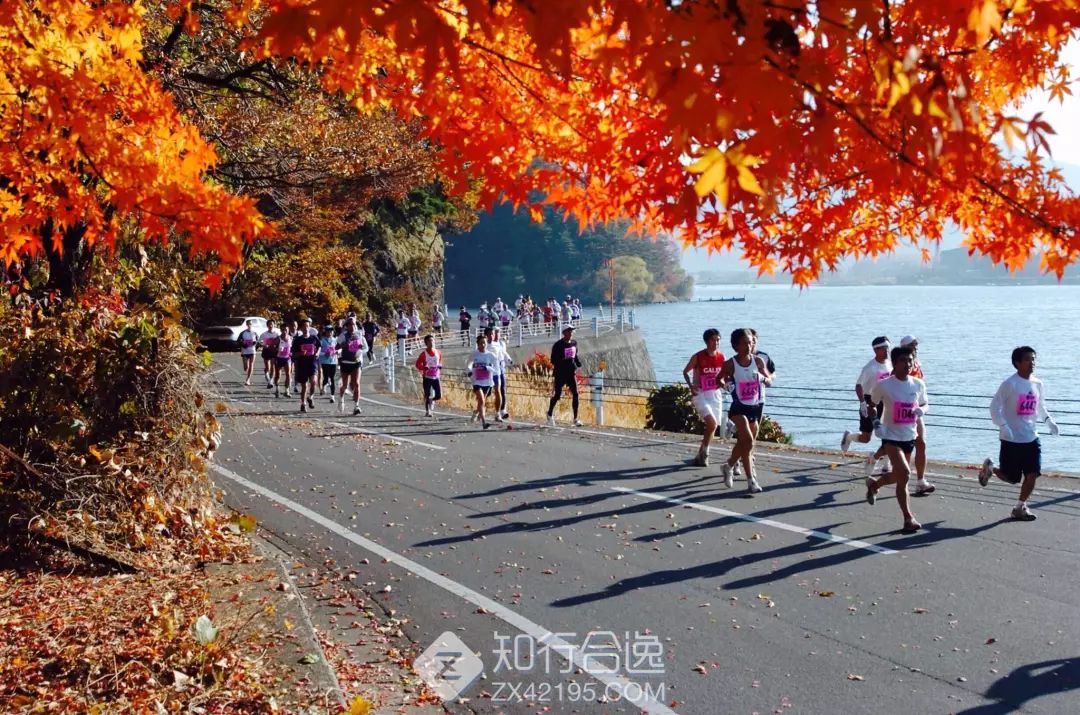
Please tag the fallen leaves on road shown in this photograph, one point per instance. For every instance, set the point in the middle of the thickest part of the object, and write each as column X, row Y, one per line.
column 852, row 676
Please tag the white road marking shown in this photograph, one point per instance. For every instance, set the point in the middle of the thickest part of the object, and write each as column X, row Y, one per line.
column 823, row 535
column 539, row 633
column 397, row 438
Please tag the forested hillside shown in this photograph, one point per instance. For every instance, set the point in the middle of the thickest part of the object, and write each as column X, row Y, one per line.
column 507, row 254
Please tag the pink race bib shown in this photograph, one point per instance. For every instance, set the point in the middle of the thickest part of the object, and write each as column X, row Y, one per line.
column 903, row 413
column 480, row 372
column 249, row 343
column 307, row 349
column 749, row 391
column 431, row 373
column 329, row 351
column 708, row 381
column 882, row 375
column 353, row 345
column 570, row 353
column 284, row 351
column 1026, row 404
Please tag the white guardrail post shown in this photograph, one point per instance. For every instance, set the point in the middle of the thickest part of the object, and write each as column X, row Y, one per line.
column 597, row 384
column 388, row 368
column 596, row 327
column 401, row 349
column 622, row 320
column 632, row 319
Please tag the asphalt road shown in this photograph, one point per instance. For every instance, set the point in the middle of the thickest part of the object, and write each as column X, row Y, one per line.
column 802, row 599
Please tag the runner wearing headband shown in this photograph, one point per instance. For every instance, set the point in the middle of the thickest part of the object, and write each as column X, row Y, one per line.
column 706, row 366
column 879, row 368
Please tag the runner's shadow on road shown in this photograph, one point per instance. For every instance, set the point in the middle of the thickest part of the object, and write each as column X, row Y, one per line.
column 828, row 498
column 931, row 533
column 807, row 549
column 1028, row 682
column 583, row 479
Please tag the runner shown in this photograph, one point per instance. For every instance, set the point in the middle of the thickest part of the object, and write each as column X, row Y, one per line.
column 371, row 329
column 305, row 354
column 496, row 346
column 564, row 356
column 429, row 363
column 437, row 318
column 922, row 487
column 402, row 328
column 904, row 401
column 269, row 340
column 706, row 365
column 283, row 361
column 328, row 361
column 351, row 348
column 293, row 332
column 247, row 341
column 1017, row 406
column 480, row 368
column 465, row 319
column 879, row 368
column 743, row 374
column 414, row 321
column 505, row 316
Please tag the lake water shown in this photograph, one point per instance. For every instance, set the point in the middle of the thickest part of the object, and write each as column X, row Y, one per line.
column 820, row 339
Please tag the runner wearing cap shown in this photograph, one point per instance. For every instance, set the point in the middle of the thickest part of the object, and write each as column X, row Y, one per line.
column 465, row 320
column 305, row 353
column 498, row 348
column 904, row 401
column 564, row 356
column 1017, row 406
column 429, row 363
column 248, row 340
column 283, row 360
column 744, row 375
column 922, row 487
column 879, row 368
column 351, row 348
column 706, row 366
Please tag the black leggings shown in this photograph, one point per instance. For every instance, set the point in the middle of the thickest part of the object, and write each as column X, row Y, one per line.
column 329, row 372
column 561, row 382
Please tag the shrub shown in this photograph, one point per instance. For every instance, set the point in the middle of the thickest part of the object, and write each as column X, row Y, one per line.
column 669, row 408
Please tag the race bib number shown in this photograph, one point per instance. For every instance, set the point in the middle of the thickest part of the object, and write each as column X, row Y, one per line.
column 570, row 353
column 307, row 349
column 882, row 375
column 903, row 413
column 708, row 381
column 1026, row 404
column 749, row 391
column 431, row 373
column 481, row 372
column 284, row 351
column 329, row 351
column 249, row 343
column 353, row 345
column 272, row 342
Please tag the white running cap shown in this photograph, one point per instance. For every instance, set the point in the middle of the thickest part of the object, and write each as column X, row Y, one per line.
column 908, row 340
column 881, row 344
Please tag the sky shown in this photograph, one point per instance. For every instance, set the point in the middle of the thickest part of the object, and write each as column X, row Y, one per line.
column 1064, row 146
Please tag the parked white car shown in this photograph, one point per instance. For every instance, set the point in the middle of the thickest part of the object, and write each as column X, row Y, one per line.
column 225, row 334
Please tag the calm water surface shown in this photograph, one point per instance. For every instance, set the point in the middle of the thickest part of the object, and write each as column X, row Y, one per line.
column 820, row 339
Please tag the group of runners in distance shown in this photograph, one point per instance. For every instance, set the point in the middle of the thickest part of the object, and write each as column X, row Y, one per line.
column 527, row 313
column 890, row 389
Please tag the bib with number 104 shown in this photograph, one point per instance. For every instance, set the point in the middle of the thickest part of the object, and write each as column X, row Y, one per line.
column 903, row 413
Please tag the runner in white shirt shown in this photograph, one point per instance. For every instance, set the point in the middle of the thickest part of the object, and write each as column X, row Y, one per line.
column 351, row 347
column 505, row 316
column 481, row 368
column 877, row 369
column 269, row 341
column 746, row 376
column 437, row 319
column 283, row 361
column 414, row 322
column 904, row 401
column 402, row 326
column 496, row 346
column 248, row 341
column 1017, row 406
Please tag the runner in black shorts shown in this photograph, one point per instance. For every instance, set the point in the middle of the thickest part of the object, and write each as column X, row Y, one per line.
column 351, row 346
column 564, row 356
column 1019, row 403
column 305, row 354
column 744, row 375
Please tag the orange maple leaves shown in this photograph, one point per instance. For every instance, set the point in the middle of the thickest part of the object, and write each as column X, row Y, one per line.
column 90, row 138
column 799, row 133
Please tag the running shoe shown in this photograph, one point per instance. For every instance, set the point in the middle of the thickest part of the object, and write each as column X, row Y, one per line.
column 737, row 469
column 1022, row 513
column 487, row 424
column 700, row 460
column 845, row 442
column 277, row 393
column 551, row 420
column 311, row 402
column 269, row 385
column 247, row 382
column 578, row 423
column 427, row 412
column 475, row 417
column 498, row 417
column 986, row 471
column 729, row 475
column 910, row 526
column 356, row 410
column 506, row 416
column 331, row 398
column 753, row 487
column 871, row 491
column 924, row 488
column 303, row 407
column 870, row 464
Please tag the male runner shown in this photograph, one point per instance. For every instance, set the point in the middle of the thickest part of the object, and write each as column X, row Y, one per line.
column 351, row 348
column 879, row 368
column 248, row 340
column 430, row 363
column 1019, row 402
column 269, row 341
column 305, row 353
column 480, row 368
column 706, row 366
column 744, row 375
column 922, row 487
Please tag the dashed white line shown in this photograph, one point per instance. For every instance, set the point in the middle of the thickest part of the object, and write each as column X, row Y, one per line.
column 823, row 535
column 536, row 631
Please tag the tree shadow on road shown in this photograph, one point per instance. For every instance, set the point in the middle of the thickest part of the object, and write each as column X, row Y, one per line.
column 1027, row 683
